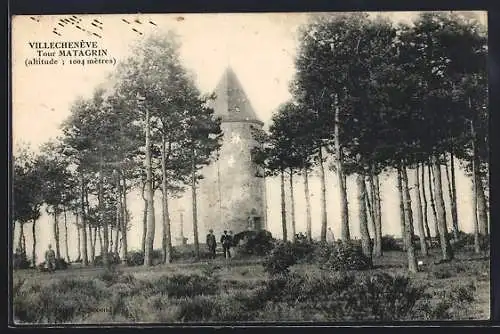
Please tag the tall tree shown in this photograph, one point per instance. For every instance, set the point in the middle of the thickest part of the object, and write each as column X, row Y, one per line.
column 27, row 188
column 420, row 215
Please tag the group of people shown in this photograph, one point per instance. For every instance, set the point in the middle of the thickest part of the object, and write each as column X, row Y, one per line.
column 226, row 240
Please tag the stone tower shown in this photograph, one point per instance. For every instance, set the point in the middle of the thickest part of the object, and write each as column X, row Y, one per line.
column 231, row 196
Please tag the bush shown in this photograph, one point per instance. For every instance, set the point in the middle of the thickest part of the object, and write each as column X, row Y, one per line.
column 136, row 257
column 343, row 256
column 61, row 264
column 20, row 261
column 441, row 273
column 451, row 304
column 280, row 259
column 179, row 286
column 257, row 243
column 188, row 254
column 466, row 241
column 114, row 258
column 344, row 296
column 111, row 276
column 304, row 250
column 58, row 302
column 389, row 243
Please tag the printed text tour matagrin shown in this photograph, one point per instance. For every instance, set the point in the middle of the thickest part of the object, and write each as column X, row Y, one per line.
column 68, row 49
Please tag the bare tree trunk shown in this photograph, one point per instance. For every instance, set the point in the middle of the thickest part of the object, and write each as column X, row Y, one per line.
column 79, row 238
column 21, row 235
column 56, row 235
column 102, row 216
column 482, row 209
column 93, row 242
column 369, row 207
column 377, row 226
column 33, row 251
column 481, row 201
column 292, row 203
column 363, row 223
column 402, row 210
column 477, row 244
column 144, row 219
column 406, row 190
column 433, row 205
column 124, row 249
column 166, row 235
column 378, row 215
column 410, row 249
column 84, row 199
column 425, row 209
column 150, row 235
column 443, row 230
column 344, row 213
column 101, row 242
column 452, row 203
column 407, row 202
column 308, row 205
column 118, row 211
column 324, row 219
column 283, row 207
column 425, row 205
column 195, row 209
column 420, row 216
column 66, row 248
column 454, row 213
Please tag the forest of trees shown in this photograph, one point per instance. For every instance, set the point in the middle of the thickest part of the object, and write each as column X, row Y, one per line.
column 150, row 128
column 368, row 94
column 377, row 97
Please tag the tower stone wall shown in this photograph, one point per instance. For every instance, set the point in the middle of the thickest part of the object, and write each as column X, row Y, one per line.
column 232, row 194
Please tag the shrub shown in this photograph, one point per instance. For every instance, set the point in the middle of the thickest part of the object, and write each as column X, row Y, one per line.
column 111, row 276
column 304, row 250
column 441, row 273
column 199, row 308
column 450, row 304
column 466, row 241
column 279, row 259
column 389, row 243
column 61, row 264
column 343, row 256
column 463, row 294
column 188, row 254
column 257, row 243
column 114, row 258
column 136, row 257
column 58, row 302
column 20, row 261
column 179, row 285
column 343, row 296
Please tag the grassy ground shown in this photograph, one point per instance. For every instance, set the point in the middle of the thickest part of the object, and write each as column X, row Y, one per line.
column 457, row 290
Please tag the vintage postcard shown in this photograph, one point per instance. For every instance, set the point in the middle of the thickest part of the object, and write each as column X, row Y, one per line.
column 242, row 168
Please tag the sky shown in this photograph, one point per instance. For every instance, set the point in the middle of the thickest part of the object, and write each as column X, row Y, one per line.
column 259, row 47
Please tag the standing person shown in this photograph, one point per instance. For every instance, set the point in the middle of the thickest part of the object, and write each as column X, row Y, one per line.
column 226, row 244
column 50, row 259
column 330, row 238
column 211, row 243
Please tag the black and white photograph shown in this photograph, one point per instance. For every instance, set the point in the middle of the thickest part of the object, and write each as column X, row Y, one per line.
column 237, row 168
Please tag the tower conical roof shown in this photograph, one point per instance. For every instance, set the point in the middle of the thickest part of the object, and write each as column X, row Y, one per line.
column 231, row 103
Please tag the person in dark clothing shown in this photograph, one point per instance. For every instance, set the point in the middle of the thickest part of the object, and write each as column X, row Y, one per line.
column 226, row 241
column 50, row 259
column 211, row 243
